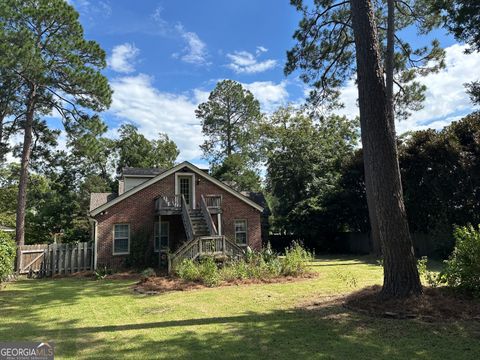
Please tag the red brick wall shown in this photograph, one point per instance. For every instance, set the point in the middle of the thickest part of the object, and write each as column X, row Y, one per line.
column 138, row 210
column 232, row 209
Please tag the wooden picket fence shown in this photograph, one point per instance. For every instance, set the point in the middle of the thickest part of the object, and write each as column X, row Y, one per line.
column 51, row 259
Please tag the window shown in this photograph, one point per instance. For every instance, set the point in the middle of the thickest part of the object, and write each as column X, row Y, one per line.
column 185, row 188
column 160, row 236
column 241, row 232
column 121, row 239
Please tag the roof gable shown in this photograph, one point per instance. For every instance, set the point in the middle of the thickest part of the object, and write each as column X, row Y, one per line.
column 171, row 171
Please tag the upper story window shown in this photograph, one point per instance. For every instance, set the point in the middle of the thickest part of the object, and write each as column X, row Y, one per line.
column 241, row 232
column 121, row 239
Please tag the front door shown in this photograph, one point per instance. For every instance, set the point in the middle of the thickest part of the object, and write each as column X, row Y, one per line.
column 185, row 185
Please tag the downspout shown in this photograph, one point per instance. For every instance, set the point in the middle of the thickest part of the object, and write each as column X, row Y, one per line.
column 219, row 221
column 95, row 235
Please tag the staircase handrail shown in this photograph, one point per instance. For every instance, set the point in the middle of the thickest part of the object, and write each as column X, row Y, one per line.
column 187, row 221
column 212, row 229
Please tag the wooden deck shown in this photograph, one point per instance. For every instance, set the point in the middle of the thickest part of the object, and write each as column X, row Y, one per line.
column 172, row 204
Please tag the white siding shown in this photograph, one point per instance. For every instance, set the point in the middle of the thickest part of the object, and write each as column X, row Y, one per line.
column 131, row 182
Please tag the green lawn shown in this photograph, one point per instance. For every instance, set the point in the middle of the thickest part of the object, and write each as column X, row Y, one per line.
column 104, row 319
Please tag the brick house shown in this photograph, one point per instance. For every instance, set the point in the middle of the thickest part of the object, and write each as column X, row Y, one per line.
column 182, row 211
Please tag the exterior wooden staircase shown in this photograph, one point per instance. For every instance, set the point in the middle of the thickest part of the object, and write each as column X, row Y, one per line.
column 199, row 224
column 202, row 237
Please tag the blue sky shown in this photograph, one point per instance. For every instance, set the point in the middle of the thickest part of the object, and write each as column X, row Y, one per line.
column 164, row 57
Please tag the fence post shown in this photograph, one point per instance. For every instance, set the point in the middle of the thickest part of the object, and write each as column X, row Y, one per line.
column 72, row 258
column 79, row 256
column 85, row 256
column 49, row 260
column 65, row 257
column 54, row 259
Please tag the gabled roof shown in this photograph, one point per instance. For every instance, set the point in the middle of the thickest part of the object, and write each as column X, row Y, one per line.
column 125, row 195
column 258, row 198
column 98, row 199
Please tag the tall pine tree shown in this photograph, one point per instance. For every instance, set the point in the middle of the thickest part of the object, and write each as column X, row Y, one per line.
column 43, row 48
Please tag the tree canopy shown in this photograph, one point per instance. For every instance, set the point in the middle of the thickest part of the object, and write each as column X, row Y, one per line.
column 230, row 121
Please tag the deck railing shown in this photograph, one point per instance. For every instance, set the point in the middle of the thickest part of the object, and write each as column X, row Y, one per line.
column 213, row 201
column 207, row 245
column 168, row 202
column 187, row 221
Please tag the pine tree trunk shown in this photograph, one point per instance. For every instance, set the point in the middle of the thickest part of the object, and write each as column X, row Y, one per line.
column 382, row 173
column 390, row 60
column 26, row 153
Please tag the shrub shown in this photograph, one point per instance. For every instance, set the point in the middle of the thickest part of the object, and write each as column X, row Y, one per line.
column 188, row 270
column 296, row 260
column 256, row 265
column 234, row 270
column 433, row 279
column 7, row 255
column 209, row 271
column 463, row 268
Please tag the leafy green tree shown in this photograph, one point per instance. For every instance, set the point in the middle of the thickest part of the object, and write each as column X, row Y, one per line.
column 303, row 162
column 43, row 48
column 235, row 172
column 135, row 150
column 10, row 109
column 92, row 153
column 230, row 121
column 440, row 177
column 8, row 193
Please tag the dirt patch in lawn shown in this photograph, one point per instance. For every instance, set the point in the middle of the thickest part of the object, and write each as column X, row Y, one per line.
column 435, row 304
column 160, row 284
column 124, row 275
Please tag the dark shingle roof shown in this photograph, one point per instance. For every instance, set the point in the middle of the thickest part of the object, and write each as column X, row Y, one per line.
column 258, row 198
column 142, row 171
column 98, row 199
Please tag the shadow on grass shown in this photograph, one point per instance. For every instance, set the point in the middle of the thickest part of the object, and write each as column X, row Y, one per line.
column 329, row 331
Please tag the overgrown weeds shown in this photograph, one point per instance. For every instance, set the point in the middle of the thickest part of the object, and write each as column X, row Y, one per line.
column 259, row 265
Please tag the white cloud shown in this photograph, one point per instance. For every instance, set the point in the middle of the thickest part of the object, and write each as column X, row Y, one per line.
column 123, row 58
column 92, row 11
column 446, row 99
column 195, row 51
column 246, row 62
column 269, row 94
column 137, row 101
column 261, row 49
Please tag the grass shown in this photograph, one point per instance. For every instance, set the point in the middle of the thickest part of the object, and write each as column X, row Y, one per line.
column 105, row 320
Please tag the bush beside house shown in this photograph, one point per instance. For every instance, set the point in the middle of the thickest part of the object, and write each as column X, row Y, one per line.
column 7, row 255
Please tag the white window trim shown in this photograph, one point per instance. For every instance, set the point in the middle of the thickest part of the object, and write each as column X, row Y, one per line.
column 160, row 236
column 177, row 185
column 113, row 242
column 246, row 231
